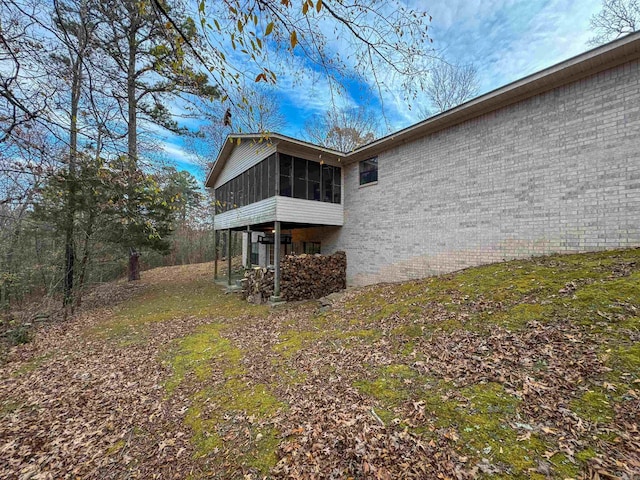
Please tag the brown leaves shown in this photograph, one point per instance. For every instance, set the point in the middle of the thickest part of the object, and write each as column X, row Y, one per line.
column 96, row 408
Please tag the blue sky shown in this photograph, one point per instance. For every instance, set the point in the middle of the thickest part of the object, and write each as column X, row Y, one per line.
column 505, row 39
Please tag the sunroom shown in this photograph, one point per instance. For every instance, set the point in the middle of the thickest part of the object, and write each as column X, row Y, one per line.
column 277, row 190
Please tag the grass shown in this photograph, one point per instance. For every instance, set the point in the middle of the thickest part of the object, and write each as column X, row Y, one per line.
column 164, row 302
column 213, row 364
column 599, row 292
column 9, row 405
column 33, row 364
column 233, row 405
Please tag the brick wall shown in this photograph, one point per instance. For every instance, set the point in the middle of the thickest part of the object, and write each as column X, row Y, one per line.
column 559, row 172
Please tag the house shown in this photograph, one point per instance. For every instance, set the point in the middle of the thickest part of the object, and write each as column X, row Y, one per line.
column 549, row 163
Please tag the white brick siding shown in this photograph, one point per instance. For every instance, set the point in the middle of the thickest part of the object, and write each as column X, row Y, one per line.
column 558, row 172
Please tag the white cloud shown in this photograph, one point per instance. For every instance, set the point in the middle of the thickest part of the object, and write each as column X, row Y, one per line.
column 506, row 39
column 557, row 32
column 176, row 153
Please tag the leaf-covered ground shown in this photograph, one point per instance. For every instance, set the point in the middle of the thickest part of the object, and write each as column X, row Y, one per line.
column 525, row 369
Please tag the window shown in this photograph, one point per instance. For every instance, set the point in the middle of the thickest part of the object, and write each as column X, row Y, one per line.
column 311, row 248
column 258, row 181
column 299, row 178
column 337, row 184
column 369, row 171
column 327, row 183
column 251, row 174
column 246, row 185
column 286, row 162
column 271, row 181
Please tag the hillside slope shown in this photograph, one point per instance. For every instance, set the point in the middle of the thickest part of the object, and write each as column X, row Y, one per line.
column 524, row 369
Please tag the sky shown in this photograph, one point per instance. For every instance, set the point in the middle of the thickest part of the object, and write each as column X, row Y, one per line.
column 505, row 39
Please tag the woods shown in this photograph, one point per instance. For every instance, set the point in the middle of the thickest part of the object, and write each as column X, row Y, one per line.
column 85, row 84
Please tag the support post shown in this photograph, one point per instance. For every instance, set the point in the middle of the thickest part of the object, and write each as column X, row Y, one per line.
column 215, row 255
column 229, row 257
column 248, row 259
column 276, row 260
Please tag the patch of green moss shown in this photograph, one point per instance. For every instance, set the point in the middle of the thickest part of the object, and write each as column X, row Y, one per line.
column 292, row 341
column 564, row 468
column 410, row 299
column 8, row 406
column 388, row 390
column 162, row 303
column 263, row 454
column 291, row 376
column 624, row 364
column 407, row 348
column 625, row 360
column 195, row 354
column 518, row 316
column 609, row 295
column 321, row 320
column 483, row 426
column 585, row 455
column 503, row 282
column 482, row 423
column 367, row 335
column 256, row 400
column 32, row 365
column 593, row 406
column 116, row 447
column 401, row 309
column 204, row 430
column 206, row 418
column 391, row 387
column 448, row 326
column 411, row 331
column 386, row 415
column 443, row 411
column 490, row 398
column 630, row 323
column 509, row 283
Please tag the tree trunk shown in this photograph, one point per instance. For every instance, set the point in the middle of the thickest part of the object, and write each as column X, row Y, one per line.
column 85, row 258
column 134, row 265
column 132, row 139
column 69, row 247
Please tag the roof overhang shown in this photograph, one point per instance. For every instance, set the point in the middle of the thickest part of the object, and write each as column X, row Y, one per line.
column 581, row 66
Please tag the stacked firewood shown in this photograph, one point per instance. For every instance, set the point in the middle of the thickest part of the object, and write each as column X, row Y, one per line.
column 303, row 277
column 259, row 285
column 306, row 277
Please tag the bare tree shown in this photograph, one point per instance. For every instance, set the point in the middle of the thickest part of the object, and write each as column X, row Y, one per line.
column 448, row 86
column 615, row 19
column 252, row 109
column 23, row 96
column 343, row 129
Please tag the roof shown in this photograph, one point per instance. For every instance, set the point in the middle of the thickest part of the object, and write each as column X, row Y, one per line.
column 581, row 66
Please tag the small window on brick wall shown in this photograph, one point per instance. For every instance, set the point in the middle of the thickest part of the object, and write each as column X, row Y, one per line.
column 369, row 171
